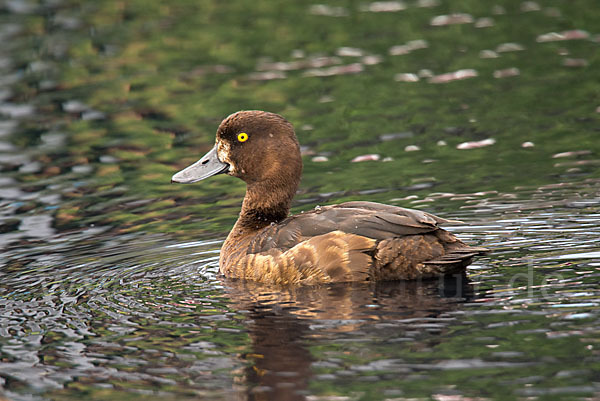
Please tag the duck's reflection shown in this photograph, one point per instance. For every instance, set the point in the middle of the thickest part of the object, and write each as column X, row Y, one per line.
column 285, row 323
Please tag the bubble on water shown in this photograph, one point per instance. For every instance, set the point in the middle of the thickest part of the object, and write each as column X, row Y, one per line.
column 408, row 47
column 266, row 76
column 20, row 6
column 575, row 34
column 583, row 255
column 298, row 53
column 372, row 59
column 66, row 21
column 574, row 316
column 571, row 153
column 484, row 22
column 384, row 7
column 451, row 19
column 476, row 144
column 30, row 168
column 507, row 72
column 322, row 61
column 82, row 169
column 14, row 110
column 427, row 3
column 75, row 106
column 453, row 76
column 365, row 158
column 354, row 68
column 40, row 66
column 575, row 62
column 328, row 11
column 53, row 139
column 6, row 147
column 396, row 135
column 425, row 73
column 108, row 159
column 93, row 115
column 37, row 226
column 14, row 159
column 509, row 47
column 326, row 99
column 406, row 77
column 349, row 52
column 528, row 6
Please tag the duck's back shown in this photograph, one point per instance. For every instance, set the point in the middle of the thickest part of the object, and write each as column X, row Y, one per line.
column 353, row 241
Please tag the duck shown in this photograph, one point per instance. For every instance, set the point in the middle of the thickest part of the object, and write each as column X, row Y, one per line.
column 354, row 241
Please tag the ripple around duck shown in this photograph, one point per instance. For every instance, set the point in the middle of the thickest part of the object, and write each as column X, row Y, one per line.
column 133, row 313
column 140, row 305
column 136, row 312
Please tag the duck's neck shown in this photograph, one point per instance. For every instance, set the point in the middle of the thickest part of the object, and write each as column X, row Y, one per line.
column 264, row 203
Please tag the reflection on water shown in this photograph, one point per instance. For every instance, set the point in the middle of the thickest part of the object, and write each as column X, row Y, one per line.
column 146, row 316
column 283, row 325
column 483, row 113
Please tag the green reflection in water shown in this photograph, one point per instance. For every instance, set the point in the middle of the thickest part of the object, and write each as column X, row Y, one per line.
column 165, row 74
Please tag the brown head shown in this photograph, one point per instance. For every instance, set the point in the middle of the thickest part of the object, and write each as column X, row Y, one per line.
column 260, row 148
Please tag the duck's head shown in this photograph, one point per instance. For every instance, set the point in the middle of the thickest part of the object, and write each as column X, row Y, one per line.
column 256, row 146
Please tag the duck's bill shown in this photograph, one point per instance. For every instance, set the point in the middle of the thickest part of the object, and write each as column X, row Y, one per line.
column 206, row 167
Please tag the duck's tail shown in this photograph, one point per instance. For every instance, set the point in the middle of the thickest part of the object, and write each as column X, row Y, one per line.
column 456, row 260
column 423, row 256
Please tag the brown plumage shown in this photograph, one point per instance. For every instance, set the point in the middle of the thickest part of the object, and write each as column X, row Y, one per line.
column 352, row 241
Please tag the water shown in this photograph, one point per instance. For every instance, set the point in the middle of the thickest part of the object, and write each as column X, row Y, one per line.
column 110, row 286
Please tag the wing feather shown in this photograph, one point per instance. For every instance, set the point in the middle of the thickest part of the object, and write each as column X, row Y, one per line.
column 368, row 219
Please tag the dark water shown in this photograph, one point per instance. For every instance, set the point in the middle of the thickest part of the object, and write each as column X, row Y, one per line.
column 109, row 274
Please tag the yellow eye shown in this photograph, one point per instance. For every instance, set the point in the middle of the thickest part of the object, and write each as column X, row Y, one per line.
column 242, row 137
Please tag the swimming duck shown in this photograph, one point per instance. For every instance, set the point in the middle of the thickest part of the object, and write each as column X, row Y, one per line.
column 351, row 241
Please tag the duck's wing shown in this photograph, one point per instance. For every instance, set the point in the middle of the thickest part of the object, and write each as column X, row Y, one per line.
column 354, row 241
column 367, row 219
column 415, row 215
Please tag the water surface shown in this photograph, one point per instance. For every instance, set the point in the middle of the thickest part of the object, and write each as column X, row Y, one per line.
column 487, row 113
